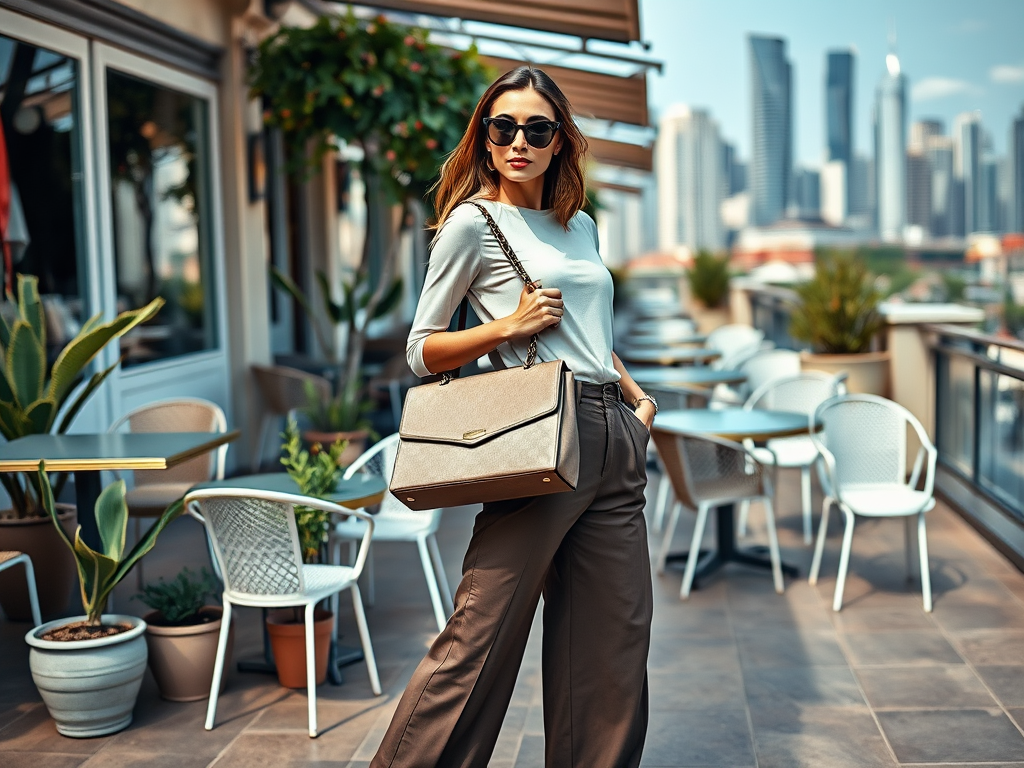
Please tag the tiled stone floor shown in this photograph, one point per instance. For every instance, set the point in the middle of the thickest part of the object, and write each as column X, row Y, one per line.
column 740, row 676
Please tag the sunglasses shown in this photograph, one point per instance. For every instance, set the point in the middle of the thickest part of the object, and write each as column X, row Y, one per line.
column 502, row 132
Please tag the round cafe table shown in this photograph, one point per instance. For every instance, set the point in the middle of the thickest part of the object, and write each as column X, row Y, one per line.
column 644, row 340
column 689, row 375
column 734, row 424
column 670, row 355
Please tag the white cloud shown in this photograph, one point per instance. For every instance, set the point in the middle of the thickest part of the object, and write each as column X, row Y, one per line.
column 1006, row 73
column 938, row 88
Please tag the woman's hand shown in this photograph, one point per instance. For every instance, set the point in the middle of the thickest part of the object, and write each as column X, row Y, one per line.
column 538, row 309
column 645, row 412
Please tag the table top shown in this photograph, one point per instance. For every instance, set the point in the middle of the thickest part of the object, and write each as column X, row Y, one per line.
column 93, row 452
column 361, row 490
column 670, row 355
column 686, row 375
column 639, row 340
column 734, row 423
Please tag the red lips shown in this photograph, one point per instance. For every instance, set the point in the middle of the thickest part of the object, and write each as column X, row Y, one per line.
column 519, row 163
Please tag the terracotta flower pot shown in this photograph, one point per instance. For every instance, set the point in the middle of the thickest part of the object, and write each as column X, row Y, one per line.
column 182, row 657
column 56, row 575
column 354, row 449
column 709, row 318
column 288, row 641
column 868, row 372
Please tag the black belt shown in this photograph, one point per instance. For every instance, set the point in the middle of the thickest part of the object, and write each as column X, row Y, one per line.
column 609, row 394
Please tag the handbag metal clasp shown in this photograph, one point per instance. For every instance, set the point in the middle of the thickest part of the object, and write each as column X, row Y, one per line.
column 472, row 433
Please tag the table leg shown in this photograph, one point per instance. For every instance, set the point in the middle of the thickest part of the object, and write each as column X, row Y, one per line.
column 87, row 491
column 708, row 563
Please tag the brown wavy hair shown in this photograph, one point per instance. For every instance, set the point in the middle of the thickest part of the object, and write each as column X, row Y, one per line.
column 465, row 174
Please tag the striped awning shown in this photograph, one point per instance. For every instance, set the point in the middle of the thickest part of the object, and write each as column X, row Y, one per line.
column 616, row 20
column 594, row 94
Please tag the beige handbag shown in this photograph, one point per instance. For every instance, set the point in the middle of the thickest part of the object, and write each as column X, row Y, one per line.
column 499, row 435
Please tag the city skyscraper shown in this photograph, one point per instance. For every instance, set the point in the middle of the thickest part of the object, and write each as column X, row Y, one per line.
column 691, row 182
column 890, row 151
column 1015, row 160
column 967, row 168
column 944, row 189
column 839, row 113
column 771, row 166
column 919, row 175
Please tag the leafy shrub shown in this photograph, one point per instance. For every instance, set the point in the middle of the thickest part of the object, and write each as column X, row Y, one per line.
column 709, row 279
column 837, row 312
column 316, row 472
column 179, row 600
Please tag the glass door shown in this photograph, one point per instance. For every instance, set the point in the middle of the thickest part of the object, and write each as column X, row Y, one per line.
column 161, row 225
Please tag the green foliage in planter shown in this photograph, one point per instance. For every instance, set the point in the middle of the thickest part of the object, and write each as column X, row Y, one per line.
column 345, row 412
column 179, row 600
column 1013, row 316
column 99, row 572
column 31, row 396
column 837, row 311
column 373, row 83
column 316, row 472
column 709, row 279
column 356, row 295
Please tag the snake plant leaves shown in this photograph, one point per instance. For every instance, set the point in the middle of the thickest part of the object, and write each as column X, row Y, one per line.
column 84, row 347
column 100, row 572
column 26, row 364
column 94, row 383
column 113, row 527
column 40, row 415
column 30, row 307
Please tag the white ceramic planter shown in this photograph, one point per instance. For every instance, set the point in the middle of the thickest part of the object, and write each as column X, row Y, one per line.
column 867, row 372
column 89, row 686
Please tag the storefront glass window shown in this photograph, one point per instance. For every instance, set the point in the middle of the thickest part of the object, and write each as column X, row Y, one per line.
column 159, row 165
column 42, row 224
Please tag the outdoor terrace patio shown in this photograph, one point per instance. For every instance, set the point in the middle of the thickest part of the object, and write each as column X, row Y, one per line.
column 739, row 676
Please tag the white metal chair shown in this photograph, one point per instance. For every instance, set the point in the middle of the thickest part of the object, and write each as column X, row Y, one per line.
column 801, row 393
column 256, row 542
column 11, row 559
column 707, row 472
column 760, row 366
column 863, row 442
column 735, row 336
column 154, row 489
column 396, row 522
column 283, row 390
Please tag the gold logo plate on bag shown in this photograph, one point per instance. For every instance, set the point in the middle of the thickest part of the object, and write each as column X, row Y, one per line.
column 472, row 433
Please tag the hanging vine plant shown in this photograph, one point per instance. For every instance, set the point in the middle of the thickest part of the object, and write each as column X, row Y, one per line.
column 376, row 84
column 380, row 86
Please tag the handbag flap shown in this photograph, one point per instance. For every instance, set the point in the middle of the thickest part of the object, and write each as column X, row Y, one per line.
column 471, row 410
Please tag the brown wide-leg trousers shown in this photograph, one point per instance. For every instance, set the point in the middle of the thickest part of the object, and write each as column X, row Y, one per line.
column 586, row 551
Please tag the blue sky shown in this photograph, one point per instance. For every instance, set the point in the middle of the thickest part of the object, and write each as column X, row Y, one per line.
column 958, row 55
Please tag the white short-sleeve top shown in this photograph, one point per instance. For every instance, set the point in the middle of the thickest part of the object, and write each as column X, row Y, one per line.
column 466, row 260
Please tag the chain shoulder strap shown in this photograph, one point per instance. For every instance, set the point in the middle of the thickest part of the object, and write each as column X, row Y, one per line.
column 531, row 356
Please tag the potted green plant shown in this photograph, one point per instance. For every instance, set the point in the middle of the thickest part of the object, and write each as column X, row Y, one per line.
column 316, row 472
column 400, row 99
column 709, row 290
column 37, row 399
column 836, row 312
column 88, row 669
column 182, row 633
column 344, row 417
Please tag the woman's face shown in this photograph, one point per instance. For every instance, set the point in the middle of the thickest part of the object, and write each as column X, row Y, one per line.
column 520, row 161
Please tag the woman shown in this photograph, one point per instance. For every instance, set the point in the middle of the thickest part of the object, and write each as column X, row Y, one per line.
column 522, row 158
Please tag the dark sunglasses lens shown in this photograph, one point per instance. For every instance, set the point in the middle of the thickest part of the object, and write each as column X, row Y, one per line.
column 501, row 132
column 540, row 135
